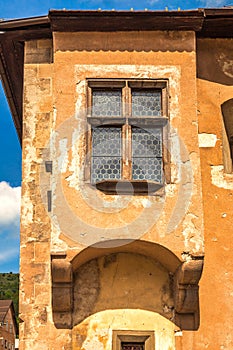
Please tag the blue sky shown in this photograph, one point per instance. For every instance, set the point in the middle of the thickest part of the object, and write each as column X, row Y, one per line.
column 10, row 154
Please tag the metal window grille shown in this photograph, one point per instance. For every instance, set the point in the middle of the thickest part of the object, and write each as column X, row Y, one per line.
column 132, row 346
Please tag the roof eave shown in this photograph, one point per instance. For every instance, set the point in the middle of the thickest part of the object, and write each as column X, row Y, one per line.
column 71, row 21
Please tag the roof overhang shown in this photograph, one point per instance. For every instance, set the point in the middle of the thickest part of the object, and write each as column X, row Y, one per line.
column 13, row 34
column 72, row 21
column 214, row 23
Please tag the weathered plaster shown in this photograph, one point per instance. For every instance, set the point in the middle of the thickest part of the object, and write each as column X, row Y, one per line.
column 75, row 152
column 207, row 140
column 96, row 331
column 55, row 130
column 220, row 179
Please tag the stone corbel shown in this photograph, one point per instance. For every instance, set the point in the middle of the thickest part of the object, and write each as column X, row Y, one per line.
column 186, row 296
column 62, row 291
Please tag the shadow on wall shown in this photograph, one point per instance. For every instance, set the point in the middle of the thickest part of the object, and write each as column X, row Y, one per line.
column 143, row 41
column 122, row 281
column 214, row 60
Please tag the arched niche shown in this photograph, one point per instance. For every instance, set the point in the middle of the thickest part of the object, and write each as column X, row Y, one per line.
column 119, row 281
column 136, row 275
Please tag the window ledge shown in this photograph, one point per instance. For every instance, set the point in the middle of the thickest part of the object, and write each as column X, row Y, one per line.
column 129, row 187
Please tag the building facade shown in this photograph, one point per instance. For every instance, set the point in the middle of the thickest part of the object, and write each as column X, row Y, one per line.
column 126, row 127
column 8, row 325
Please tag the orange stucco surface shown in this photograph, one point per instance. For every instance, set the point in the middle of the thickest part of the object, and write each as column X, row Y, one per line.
column 191, row 218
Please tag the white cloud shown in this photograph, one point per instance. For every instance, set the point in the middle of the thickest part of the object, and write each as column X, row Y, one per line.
column 9, row 204
column 152, row 2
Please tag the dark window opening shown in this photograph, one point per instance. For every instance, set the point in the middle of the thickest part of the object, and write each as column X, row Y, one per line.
column 227, row 113
column 132, row 346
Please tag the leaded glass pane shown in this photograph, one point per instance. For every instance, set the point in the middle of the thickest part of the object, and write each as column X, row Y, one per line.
column 146, row 102
column 147, row 154
column 146, row 143
column 106, row 103
column 105, row 168
column 106, row 141
column 106, row 154
column 147, row 169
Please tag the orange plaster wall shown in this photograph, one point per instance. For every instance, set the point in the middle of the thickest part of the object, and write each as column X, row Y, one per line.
column 77, row 56
column 214, row 86
column 52, row 87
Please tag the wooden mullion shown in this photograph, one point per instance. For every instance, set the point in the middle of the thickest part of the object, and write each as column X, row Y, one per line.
column 89, row 101
column 165, row 137
column 123, row 156
column 126, row 156
column 129, row 102
column 129, row 141
column 124, row 152
column 166, row 153
column 129, row 128
column 164, row 102
column 127, row 159
column 124, row 102
column 88, row 139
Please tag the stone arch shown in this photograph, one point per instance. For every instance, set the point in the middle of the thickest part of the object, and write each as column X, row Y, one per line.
column 153, row 250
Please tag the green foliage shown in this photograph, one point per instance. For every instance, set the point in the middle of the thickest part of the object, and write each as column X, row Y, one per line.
column 9, row 288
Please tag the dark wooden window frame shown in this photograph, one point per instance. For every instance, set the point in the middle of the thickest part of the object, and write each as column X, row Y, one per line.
column 125, row 184
column 146, row 337
column 227, row 110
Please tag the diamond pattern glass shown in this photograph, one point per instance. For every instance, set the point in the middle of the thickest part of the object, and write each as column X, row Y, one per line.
column 147, row 154
column 106, row 154
column 146, row 102
column 147, row 169
column 106, row 141
column 146, row 143
column 106, row 103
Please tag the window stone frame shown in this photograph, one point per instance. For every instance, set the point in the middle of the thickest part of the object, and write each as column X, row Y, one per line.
column 120, row 336
column 126, row 182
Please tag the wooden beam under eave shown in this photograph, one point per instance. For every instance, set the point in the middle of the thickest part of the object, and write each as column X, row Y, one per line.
column 11, row 70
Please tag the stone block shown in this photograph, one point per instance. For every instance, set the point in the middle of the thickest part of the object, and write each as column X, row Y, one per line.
column 62, row 298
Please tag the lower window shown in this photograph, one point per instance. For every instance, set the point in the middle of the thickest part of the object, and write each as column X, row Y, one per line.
column 133, row 340
column 132, row 346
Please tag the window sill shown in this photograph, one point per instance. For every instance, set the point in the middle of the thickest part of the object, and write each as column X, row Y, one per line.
column 133, row 187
